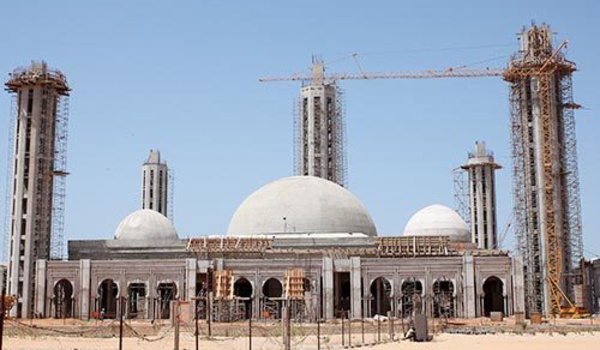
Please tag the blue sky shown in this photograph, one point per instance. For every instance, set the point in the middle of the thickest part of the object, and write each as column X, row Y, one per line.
column 182, row 76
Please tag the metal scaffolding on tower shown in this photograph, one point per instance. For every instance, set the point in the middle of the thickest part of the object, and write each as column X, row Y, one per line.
column 10, row 169
column 59, row 191
column 545, row 174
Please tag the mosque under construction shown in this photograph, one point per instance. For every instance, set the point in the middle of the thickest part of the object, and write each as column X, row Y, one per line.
column 304, row 243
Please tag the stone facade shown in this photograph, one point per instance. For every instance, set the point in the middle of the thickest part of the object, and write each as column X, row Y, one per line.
column 467, row 283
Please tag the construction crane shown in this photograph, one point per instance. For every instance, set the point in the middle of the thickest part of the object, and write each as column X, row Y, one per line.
column 321, row 152
column 318, row 75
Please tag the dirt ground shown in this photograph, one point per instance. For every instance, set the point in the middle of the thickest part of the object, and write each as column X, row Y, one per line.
column 457, row 334
column 441, row 342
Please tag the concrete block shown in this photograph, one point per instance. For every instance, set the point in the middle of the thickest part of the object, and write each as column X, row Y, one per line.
column 496, row 316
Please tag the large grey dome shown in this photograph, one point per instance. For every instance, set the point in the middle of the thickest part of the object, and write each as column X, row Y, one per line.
column 438, row 220
column 301, row 204
column 146, row 224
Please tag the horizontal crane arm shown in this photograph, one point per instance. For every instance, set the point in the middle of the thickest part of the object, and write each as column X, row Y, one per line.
column 425, row 74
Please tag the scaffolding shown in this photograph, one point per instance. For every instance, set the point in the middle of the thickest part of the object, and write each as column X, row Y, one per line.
column 545, row 175
column 341, row 141
column 57, row 241
column 461, row 194
column 171, row 195
column 10, row 169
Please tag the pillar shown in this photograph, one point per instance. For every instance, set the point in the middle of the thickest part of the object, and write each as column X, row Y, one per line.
column 40, row 287
column 328, row 288
column 85, row 269
column 190, row 283
column 355, row 278
column 469, row 299
column 518, row 284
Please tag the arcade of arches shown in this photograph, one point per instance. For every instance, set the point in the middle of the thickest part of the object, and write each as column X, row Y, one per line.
column 356, row 287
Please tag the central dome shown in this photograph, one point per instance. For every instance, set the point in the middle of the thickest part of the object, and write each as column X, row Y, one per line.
column 301, row 204
column 438, row 220
column 146, row 225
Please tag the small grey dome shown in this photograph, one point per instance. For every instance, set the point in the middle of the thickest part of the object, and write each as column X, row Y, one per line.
column 301, row 204
column 146, row 224
column 438, row 220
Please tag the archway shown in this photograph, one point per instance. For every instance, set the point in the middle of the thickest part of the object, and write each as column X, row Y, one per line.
column 272, row 291
column 412, row 290
column 136, row 303
column 493, row 299
column 166, row 292
column 342, row 293
column 272, row 288
column 443, row 298
column 381, row 291
column 63, row 299
column 108, row 291
column 242, row 288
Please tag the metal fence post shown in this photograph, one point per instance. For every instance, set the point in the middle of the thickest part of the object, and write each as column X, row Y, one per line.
column 349, row 330
column 176, row 319
column 196, row 323
column 121, row 323
column 2, row 313
column 343, row 333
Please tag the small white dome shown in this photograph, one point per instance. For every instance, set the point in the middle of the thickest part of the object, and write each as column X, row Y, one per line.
column 146, row 224
column 438, row 220
column 301, row 204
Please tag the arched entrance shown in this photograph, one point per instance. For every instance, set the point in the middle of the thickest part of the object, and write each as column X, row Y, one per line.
column 108, row 291
column 493, row 295
column 443, row 298
column 381, row 292
column 272, row 291
column 412, row 290
column 166, row 292
column 136, row 303
column 242, row 289
column 63, row 299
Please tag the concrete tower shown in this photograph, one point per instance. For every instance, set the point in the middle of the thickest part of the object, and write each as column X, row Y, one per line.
column 545, row 171
column 36, row 145
column 482, row 196
column 320, row 130
column 155, row 176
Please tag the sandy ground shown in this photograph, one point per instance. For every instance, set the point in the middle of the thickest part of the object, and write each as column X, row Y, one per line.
column 442, row 341
column 50, row 334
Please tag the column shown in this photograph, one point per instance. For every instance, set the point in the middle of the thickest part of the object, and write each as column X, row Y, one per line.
column 40, row 287
column 190, row 278
column 85, row 268
column 328, row 288
column 469, row 299
column 518, row 285
column 355, row 277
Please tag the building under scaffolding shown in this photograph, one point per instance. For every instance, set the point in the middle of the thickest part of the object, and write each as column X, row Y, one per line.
column 546, row 184
column 482, row 196
column 320, row 130
column 38, row 162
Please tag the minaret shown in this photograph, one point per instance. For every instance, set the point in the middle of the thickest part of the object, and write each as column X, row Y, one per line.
column 320, row 130
column 39, row 91
column 482, row 196
column 155, row 175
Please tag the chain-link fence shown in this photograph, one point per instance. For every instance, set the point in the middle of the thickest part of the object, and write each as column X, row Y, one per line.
column 51, row 334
